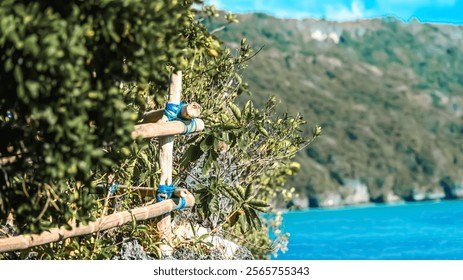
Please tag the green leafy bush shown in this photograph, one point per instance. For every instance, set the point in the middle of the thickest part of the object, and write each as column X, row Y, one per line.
column 61, row 110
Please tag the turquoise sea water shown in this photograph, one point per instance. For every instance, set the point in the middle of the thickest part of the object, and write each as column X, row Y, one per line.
column 416, row 231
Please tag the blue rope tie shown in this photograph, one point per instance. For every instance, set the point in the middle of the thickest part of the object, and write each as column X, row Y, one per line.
column 169, row 189
column 189, row 128
column 182, row 203
column 173, row 112
column 113, row 188
column 165, row 189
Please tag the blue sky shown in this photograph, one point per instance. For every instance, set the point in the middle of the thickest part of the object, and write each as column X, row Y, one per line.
column 447, row 11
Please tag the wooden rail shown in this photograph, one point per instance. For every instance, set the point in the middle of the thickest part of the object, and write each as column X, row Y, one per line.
column 162, row 129
column 143, row 191
column 114, row 220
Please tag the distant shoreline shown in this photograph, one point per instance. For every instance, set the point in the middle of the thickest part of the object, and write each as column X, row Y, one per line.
column 371, row 205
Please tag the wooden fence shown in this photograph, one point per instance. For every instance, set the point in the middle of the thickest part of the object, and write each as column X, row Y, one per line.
column 154, row 124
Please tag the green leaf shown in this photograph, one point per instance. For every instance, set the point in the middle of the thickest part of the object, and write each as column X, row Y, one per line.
column 33, row 87
column 207, row 143
column 30, row 44
column 244, row 223
column 249, row 192
column 261, row 209
column 142, row 227
column 192, row 154
column 18, row 75
column 235, row 110
column 228, row 126
column 234, row 218
column 255, row 219
column 258, row 203
column 240, row 190
column 193, row 229
column 146, row 161
column 249, row 219
column 208, row 163
column 263, row 131
column 214, row 204
column 231, row 193
column 203, row 237
column 248, row 108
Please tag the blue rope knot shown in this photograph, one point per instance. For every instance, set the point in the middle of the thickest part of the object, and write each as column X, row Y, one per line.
column 189, row 127
column 182, row 203
column 165, row 189
column 113, row 188
column 174, row 112
column 169, row 189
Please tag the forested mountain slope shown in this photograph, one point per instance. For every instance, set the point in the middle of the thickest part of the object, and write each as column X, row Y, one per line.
column 388, row 94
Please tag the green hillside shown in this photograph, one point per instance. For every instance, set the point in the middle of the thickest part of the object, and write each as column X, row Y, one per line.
column 388, row 94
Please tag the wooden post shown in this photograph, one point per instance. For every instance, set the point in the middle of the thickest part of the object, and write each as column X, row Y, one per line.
column 165, row 160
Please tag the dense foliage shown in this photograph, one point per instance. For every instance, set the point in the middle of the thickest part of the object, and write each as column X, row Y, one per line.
column 61, row 110
column 388, row 95
column 76, row 76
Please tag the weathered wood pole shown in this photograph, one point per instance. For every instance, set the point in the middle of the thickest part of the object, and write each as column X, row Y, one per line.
column 165, row 161
column 21, row 242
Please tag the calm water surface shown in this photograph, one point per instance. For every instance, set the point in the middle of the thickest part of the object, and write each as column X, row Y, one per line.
column 431, row 230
